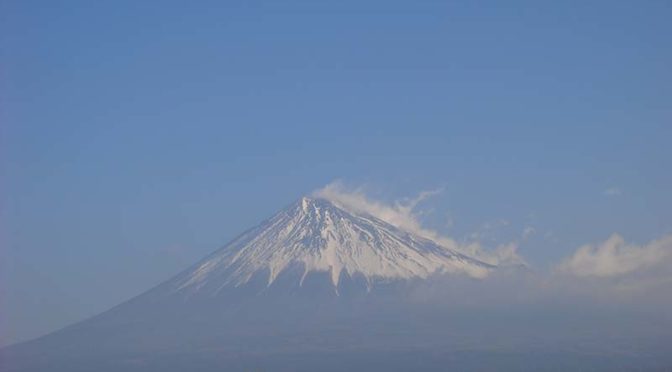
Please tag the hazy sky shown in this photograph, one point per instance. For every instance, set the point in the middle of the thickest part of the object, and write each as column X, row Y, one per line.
column 135, row 139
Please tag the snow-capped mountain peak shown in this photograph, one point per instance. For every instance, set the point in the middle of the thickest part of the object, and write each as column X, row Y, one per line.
column 319, row 236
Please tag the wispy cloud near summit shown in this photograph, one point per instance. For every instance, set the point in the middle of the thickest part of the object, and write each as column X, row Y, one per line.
column 404, row 213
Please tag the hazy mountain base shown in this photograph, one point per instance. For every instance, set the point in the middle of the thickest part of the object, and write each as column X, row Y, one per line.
column 441, row 324
column 364, row 360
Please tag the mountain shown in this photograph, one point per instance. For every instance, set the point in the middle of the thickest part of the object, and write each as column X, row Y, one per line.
column 316, row 287
column 316, row 236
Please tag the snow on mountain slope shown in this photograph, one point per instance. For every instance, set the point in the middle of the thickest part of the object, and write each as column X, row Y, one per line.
column 321, row 237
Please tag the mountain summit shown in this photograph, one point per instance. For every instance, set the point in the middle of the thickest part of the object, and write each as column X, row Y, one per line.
column 314, row 235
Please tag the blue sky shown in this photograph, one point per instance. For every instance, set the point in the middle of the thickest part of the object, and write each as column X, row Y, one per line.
column 137, row 138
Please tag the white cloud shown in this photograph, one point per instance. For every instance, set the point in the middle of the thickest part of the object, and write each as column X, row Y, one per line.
column 399, row 213
column 615, row 257
column 403, row 214
column 612, row 191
